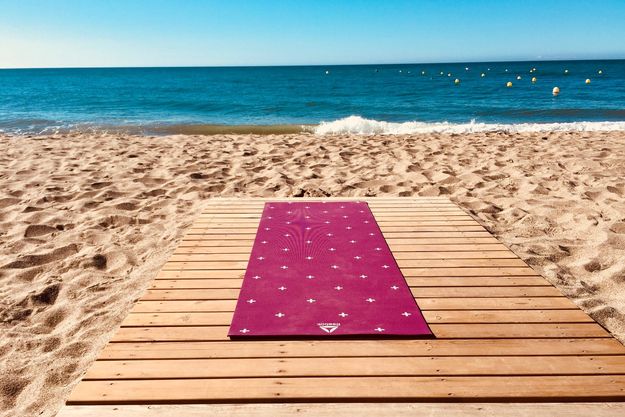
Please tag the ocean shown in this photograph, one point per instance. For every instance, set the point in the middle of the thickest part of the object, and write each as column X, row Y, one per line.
column 325, row 99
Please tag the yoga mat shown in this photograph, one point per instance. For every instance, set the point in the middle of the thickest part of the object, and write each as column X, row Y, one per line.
column 323, row 269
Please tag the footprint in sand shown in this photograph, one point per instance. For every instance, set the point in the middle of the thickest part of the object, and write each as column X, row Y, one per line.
column 98, row 185
column 35, row 230
column 127, row 206
column 28, row 261
column 32, row 209
column 9, row 201
column 12, row 387
column 618, row 228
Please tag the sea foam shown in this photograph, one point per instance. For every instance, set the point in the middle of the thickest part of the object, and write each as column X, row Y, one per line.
column 361, row 126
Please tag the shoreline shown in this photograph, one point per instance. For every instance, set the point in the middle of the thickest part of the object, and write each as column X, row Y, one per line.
column 87, row 219
column 355, row 125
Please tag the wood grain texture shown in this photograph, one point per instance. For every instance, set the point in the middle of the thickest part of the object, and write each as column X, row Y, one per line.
column 503, row 333
column 576, row 409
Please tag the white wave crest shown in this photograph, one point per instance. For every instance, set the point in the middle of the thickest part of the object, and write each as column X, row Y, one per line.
column 361, row 126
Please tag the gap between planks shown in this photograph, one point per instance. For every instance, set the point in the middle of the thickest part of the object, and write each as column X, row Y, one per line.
column 441, row 331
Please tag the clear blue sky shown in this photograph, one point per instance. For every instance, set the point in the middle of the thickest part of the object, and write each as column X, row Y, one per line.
column 68, row 33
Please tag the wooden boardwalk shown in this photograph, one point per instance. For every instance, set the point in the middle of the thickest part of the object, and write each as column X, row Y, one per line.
column 503, row 333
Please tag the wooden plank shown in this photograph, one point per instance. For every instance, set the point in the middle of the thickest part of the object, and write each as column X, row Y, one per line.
column 388, row 205
column 416, row 219
column 243, row 249
column 495, row 303
column 434, row 304
column 351, row 367
column 325, row 409
column 372, row 200
column 260, row 201
column 362, row 348
column 391, row 205
column 416, row 211
column 215, row 243
column 459, row 263
column 418, row 292
column 376, row 202
column 246, row 200
column 186, row 283
column 407, row 272
column 446, row 316
column 403, row 209
column 410, row 256
column 489, row 291
column 189, row 283
column 388, row 235
column 560, row 388
column 146, row 306
column 212, row 294
column 506, row 316
column 476, row 281
column 480, row 331
column 395, row 241
column 228, row 201
column 441, row 331
column 388, row 226
column 403, row 263
column 467, row 272
column 377, row 211
column 219, row 221
column 206, row 274
column 399, row 251
column 387, row 231
column 383, row 203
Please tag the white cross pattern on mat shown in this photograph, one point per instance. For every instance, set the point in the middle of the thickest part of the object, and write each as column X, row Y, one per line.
column 325, row 261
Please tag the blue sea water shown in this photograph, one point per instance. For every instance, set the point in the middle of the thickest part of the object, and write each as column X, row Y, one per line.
column 390, row 98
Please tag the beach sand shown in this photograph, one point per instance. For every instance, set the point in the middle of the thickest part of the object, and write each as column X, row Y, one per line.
column 86, row 221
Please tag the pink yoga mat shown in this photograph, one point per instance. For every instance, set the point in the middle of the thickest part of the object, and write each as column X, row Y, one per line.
column 323, row 269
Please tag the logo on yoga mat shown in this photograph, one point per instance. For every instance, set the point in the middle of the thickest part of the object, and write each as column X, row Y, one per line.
column 328, row 327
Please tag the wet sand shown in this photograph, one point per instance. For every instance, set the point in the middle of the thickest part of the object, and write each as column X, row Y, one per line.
column 86, row 221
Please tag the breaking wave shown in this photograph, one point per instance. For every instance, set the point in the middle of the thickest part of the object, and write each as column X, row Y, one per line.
column 361, row 126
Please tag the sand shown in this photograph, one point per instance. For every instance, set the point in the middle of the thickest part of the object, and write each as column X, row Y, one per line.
column 86, row 221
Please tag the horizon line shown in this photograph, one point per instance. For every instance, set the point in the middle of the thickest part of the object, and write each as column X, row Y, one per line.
column 316, row 65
